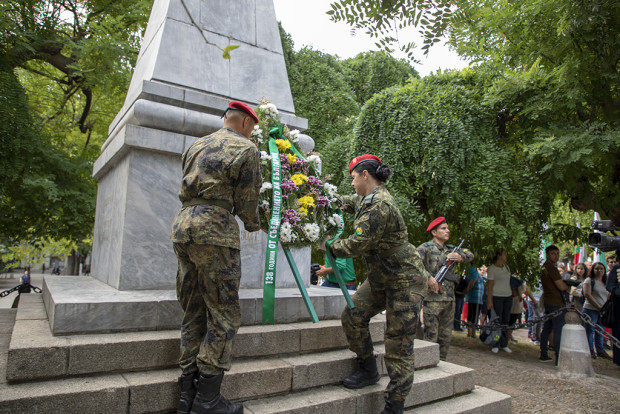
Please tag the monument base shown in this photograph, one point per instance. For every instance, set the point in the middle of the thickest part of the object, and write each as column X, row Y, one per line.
column 84, row 305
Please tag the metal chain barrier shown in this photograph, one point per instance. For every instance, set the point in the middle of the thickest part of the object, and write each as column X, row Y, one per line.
column 9, row 291
column 586, row 319
column 518, row 325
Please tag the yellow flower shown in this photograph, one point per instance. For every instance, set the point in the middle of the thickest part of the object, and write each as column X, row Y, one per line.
column 306, row 201
column 303, row 211
column 291, row 158
column 282, row 145
column 299, row 179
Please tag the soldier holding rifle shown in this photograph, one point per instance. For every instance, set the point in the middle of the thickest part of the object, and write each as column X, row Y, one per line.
column 439, row 307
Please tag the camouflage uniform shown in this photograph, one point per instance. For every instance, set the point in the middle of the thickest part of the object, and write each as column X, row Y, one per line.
column 396, row 283
column 220, row 171
column 439, row 307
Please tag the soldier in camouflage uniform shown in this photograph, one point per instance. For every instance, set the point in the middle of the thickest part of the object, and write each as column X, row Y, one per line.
column 396, row 281
column 438, row 308
column 221, row 178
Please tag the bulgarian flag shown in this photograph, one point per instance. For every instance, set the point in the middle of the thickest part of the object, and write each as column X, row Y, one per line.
column 576, row 254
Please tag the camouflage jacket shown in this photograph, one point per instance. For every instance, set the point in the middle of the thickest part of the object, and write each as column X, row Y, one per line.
column 380, row 237
column 222, row 166
column 433, row 256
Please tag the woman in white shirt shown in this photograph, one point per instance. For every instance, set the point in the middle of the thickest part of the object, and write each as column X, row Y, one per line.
column 596, row 295
column 499, row 295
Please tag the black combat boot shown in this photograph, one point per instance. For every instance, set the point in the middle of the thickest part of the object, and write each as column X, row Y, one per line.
column 188, row 392
column 209, row 400
column 393, row 407
column 366, row 375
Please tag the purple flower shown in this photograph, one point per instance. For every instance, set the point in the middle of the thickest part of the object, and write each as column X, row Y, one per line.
column 291, row 217
column 314, row 182
column 322, row 201
column 301, row 165
column 288, row 187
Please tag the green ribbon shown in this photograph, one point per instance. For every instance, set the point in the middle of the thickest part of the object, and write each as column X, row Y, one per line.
column 273, row 234
column 332, row 262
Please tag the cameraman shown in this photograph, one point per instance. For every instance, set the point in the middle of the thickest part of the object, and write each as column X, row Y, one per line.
column 347, row 271
column 613, row 287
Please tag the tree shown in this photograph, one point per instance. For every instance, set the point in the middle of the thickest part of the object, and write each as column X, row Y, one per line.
column 42, row 192
column 442, row 143
column 76, row 46
column 371, row 72
column 558, row 96
column 384, row 19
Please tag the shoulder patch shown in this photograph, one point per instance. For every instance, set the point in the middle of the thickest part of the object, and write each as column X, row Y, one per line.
column 358, row 231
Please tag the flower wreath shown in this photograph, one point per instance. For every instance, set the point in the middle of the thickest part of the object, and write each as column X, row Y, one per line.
column 306, row 214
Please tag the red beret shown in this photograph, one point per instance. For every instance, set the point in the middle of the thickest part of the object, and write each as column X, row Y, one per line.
column 436, row 223
column 242, row 107
column 361, row 158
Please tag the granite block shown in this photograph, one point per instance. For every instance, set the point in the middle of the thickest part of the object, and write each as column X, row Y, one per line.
column 257, row 378
column 153, row 391
column 34, row 353
column 266, row 340
column 122, row 352
column 96, row 395
column 313, row 370
column 462, row 377
column 429, row 385
column 322, row 400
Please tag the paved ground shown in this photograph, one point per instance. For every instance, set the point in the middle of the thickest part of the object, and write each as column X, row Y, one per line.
column 536, row 387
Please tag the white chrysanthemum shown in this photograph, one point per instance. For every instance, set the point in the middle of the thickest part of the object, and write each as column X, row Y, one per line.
column 315, row 160
column 265, row 187
column 334, row 220
column 312, row 231
column 265, row 204
column 257, row 132
column 265, row 158
column 294, row 135
column 331, row 191
column 287, row 235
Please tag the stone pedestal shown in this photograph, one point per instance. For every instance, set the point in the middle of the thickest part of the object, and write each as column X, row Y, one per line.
column 180, row 87
column 574, row 349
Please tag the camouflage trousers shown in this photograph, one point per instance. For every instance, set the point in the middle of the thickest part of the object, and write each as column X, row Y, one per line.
column 402, row 306
column 438, row 323
column 208, row 291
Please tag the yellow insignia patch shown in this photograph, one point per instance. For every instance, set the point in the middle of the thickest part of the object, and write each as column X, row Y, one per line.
column 354, row 160
column 358, row 230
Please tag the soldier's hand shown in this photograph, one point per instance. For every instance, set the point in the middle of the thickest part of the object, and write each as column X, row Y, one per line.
column 433, row 285
column 455, row 257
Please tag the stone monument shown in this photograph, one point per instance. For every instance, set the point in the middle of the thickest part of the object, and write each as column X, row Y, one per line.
column 180, row 87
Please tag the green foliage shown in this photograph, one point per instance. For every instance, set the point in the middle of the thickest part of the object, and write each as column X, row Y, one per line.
column 383, row 19
column 321, row 94
column 447, row 158
column 35, row 252
column 371, row 72
column 42, row 192
column 568, row 227
column 560, row 89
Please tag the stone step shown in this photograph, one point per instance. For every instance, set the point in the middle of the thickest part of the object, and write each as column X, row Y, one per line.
column 264, row 386
column 479, row 401
column 442, row 381
column 82, row 305
column 34, row 353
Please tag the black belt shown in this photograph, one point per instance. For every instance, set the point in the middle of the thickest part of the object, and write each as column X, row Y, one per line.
column 226, row 205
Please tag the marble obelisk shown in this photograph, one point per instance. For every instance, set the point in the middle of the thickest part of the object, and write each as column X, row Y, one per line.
column 180, row 87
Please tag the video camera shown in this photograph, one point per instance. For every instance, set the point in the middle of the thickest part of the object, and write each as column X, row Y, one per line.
column 603, row 241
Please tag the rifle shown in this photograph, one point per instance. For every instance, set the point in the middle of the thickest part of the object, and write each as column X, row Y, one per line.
column 448, row 264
